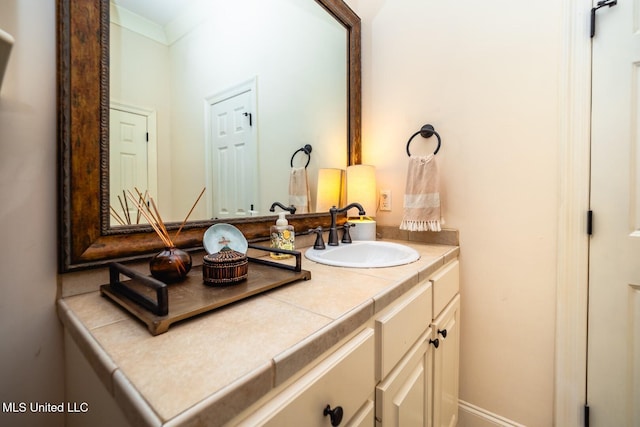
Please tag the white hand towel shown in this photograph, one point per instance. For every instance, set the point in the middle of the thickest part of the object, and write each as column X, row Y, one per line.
column 422, row 195
column 299, row 189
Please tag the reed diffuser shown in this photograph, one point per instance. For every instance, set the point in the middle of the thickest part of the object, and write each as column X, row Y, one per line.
column 171, row 264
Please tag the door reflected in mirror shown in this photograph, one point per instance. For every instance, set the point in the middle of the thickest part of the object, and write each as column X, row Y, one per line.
column 220, row 94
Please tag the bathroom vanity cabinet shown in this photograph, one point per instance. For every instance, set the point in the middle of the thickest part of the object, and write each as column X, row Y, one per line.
column 419, row 386
column 391, row 358
column 400, row 370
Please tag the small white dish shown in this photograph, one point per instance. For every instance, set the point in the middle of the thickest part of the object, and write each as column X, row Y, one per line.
column 220, row 235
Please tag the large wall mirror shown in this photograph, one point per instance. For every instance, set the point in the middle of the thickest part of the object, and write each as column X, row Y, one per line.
column 285, row 71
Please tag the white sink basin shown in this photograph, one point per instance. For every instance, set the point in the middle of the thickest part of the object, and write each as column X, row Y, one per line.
column 364, row 254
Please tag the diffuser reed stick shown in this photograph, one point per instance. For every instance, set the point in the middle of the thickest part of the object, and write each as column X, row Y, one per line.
column 152, row 215
column 115, row 215
column 142, row 200
column 126, row 208
column 146, row 212
column 124, row 211
column 189, row 214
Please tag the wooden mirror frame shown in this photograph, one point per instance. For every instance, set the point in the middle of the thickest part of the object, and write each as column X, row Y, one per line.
column 85, row 236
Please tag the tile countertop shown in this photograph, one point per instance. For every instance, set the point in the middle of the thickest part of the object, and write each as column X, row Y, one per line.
column 214, row 366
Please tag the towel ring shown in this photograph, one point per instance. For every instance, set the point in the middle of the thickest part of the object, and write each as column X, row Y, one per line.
column 426, row 132
column 306, row 150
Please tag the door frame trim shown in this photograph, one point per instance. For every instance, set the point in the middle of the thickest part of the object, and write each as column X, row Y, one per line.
column 573, row 241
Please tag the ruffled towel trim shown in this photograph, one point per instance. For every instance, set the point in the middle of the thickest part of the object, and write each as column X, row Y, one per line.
column 411, row 225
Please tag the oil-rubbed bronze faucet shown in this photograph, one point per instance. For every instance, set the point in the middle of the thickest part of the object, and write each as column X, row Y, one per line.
column 291, row 209
column 333, row 230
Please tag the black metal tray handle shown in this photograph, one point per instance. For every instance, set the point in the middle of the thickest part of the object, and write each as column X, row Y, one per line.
column 159, row 307
column 296, row 254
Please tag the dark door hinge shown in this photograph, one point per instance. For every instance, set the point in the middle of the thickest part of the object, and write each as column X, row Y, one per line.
column 586, row 415
column 600, row 4
column 147, row 136
column 589, row 223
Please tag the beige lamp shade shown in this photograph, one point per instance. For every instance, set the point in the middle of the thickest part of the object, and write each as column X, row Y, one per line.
column 329, row 189
column 361, row 187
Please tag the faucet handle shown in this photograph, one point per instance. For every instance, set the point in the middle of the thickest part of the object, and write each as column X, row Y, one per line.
column 346, row 237
column 319, row 244
column 291, row 209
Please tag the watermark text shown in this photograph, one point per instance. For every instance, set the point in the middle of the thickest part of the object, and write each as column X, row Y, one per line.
column 44, row 407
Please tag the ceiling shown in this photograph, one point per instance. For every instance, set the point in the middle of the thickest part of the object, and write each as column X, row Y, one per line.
column 158, row 11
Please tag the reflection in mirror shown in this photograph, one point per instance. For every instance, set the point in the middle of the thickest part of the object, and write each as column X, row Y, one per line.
column 86, row 236
column 220, row 94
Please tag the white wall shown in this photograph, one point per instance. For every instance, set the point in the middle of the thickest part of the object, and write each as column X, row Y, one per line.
column 486, row 75
column 138, row 70
column 31, row 368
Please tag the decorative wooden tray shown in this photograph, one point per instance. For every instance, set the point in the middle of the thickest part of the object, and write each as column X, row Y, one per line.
column 160, row 305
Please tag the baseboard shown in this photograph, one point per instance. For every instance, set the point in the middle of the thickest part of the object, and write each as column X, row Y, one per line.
column 473, row 416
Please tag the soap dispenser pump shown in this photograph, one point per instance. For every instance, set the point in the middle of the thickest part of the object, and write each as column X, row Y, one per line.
column 282, row 237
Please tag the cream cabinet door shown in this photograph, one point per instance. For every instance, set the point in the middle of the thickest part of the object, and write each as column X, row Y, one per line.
column 404, row 398
column 445, row 365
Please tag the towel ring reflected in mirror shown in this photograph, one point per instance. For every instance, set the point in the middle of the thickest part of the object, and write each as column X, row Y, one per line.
column 427, row 131
column 306, row 150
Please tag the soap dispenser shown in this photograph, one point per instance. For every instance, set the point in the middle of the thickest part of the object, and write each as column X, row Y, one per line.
column 282, row 236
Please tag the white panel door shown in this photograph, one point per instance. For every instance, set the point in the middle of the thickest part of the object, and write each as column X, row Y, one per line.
column 233, row 162
column 613, row 377
column 127, row 160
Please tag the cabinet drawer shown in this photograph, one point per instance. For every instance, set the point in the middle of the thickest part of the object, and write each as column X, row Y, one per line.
column 398, row 329
column 446, row 284
column 345, row 378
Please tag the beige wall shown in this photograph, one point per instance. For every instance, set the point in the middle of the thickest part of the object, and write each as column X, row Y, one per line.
column 31, row 367
column 486, row 76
